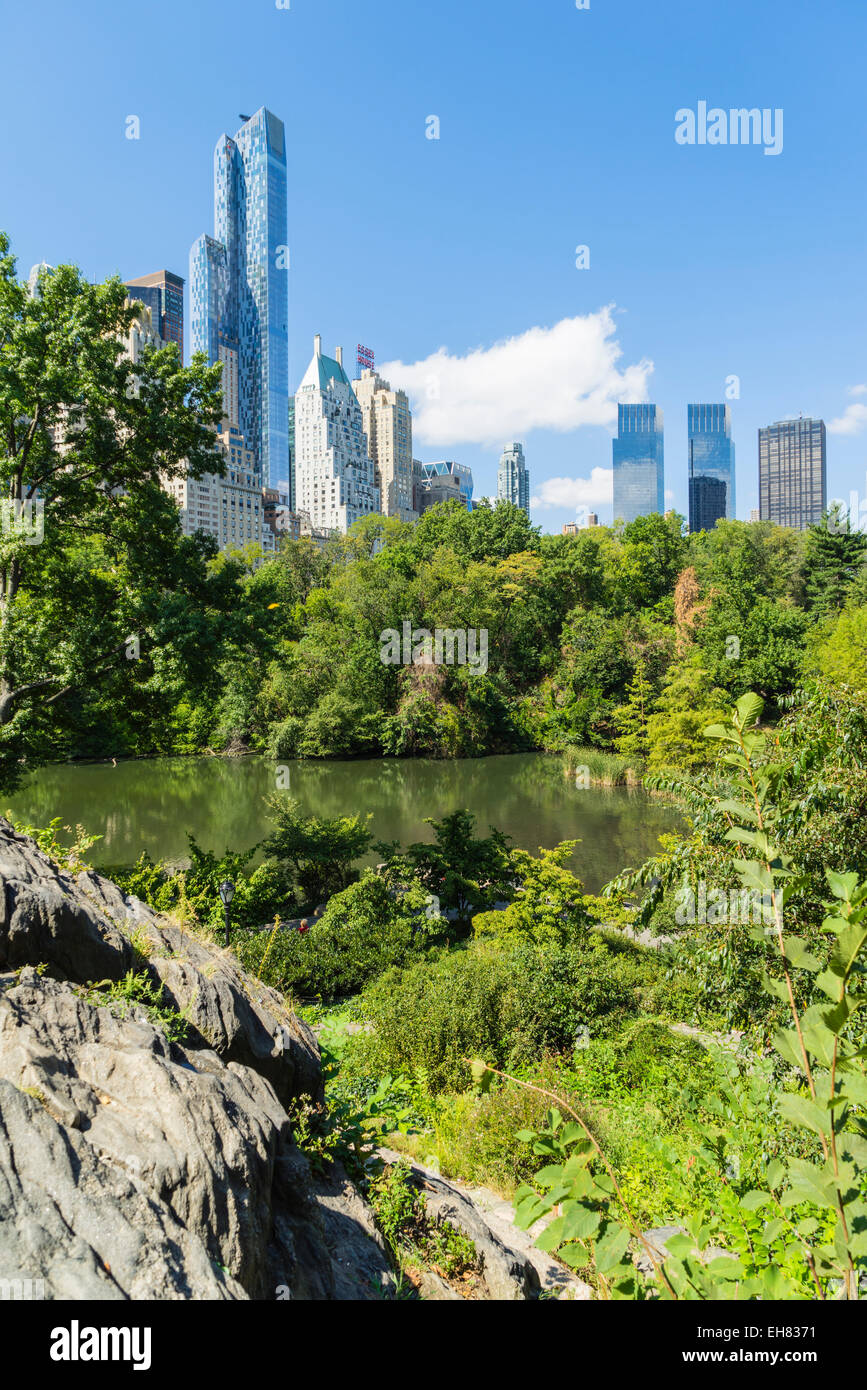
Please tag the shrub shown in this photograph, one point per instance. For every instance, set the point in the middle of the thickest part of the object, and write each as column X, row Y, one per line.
column 363, row 931
column 505, row 1003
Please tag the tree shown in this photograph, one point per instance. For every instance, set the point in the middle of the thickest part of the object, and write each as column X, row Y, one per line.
column 548, row 908
column 87, row 438
column 466, row 872
column 320, row 853
column 834, row 557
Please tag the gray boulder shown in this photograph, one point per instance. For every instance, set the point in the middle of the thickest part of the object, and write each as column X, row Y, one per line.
column 81, row 929
column 132, row 1168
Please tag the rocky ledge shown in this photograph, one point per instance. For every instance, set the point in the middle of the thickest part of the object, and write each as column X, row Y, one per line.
column 132, row 1167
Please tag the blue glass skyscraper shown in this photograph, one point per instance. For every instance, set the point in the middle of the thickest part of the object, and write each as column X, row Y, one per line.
column 639, row 464
column 711, row 466
column 239, row 289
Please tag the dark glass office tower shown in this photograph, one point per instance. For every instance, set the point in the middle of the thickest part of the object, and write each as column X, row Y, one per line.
column 793, row 473
column 162, row 293
column 239, row 289
column 638, row 457
column 711, row 466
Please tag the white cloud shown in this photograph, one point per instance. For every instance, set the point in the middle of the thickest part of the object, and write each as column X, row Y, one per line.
column 597, row 490
column 858, row 390
column 546, row 378
column 852, row 421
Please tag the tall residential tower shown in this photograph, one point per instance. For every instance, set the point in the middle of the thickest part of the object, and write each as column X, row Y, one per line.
column 387, row 422
column 638, row 456
column 239, row 290
column 513, row 480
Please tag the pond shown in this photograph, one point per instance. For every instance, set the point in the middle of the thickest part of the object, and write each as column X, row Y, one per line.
column 152, row 805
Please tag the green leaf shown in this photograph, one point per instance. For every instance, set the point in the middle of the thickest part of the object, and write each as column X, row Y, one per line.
column 749, row 709
column 808, row 1184
column 785, row 1041
column 798, row 954
column 802, row 1111
column 751, row 1201
column 580, row 1222
column 842, row 885
column 552, row 1236
column 777, row 988
column 609, row 1251
column 775, row 1174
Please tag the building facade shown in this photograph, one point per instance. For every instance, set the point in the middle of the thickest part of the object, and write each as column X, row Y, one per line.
column 163, row 293
column 711, row 466
column 230, row 508
column 334, row 473
column 442, row 481
column 793, row 472
column 239, row 290
column 639, row 462
column 513, row 479
column 387, row 421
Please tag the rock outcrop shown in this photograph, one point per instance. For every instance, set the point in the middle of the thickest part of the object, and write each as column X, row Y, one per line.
column 132, row 1167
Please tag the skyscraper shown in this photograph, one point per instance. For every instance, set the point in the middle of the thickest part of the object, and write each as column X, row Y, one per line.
column 639, row 467
column 711, row 466
column 163, row 293
column 793, row 472
column 513, row 480
column 388, row 425
column 334, row 474
column 239, row 289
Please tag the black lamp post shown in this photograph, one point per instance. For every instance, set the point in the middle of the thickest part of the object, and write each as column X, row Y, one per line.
column 227, row 893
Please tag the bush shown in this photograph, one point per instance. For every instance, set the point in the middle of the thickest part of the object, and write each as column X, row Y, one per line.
column 363, row 931
column 504, row 1004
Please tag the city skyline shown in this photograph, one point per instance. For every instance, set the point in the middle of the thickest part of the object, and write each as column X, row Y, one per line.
column 429, row 291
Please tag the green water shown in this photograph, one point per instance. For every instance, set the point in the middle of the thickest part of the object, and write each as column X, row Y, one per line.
column 151, row 805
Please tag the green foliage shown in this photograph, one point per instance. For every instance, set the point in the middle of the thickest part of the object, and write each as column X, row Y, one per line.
column 139, row 994
column 548, row 907
column 365, row 929
column 320, row 854
column 801, row 1229
column 510, row 1003
column 412, row 1238
column 463, row 871
column 70, row 857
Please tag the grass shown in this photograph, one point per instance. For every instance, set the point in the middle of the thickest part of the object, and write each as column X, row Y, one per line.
column 602, row 769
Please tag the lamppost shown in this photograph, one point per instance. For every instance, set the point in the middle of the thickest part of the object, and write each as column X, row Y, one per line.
column 227, row 893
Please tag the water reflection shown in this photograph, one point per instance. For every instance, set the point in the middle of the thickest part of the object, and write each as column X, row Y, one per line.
column 152, row 804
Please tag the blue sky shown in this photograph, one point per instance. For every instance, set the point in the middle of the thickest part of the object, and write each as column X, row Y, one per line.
column 556, row 130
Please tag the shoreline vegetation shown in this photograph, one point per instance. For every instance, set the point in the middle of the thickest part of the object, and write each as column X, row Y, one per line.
column 591, row 1059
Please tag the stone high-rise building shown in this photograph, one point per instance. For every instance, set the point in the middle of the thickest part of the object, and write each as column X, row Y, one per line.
column 334, row 474
column 387, row 421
